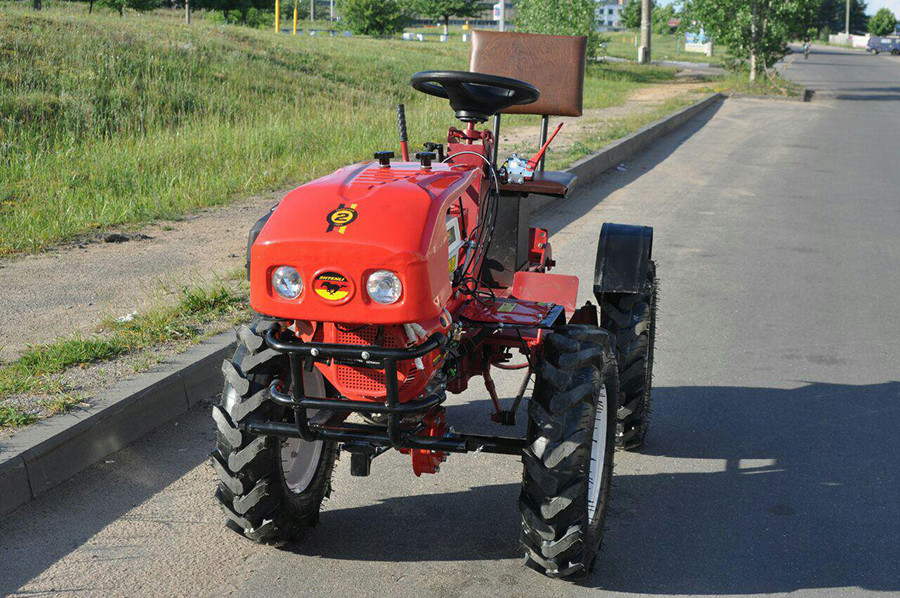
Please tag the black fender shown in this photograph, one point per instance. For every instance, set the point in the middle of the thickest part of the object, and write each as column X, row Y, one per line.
column 254, row 233
column 623, row 258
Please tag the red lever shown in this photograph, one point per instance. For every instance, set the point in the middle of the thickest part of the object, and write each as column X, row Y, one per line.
column 532, row 164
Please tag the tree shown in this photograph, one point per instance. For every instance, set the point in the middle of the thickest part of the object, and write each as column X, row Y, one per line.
column 756, row 31
column 832, row 14
column 373, row 17
column 631, row 15
column 138, row 5
column 660, row 17
column 883, row 23
column 559, row 17
column 444, row 9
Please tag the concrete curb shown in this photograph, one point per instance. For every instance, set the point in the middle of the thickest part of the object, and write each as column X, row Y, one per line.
column 52, row 451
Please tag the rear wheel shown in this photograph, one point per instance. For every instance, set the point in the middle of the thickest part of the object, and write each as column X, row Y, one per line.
column 569, row 461
column 270, row 489
column 632, row 319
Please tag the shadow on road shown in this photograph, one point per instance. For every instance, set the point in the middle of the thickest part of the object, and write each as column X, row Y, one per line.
column 761, row 490
column 561, row 212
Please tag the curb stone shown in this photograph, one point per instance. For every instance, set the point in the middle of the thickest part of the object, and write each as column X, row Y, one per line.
column 49, row 452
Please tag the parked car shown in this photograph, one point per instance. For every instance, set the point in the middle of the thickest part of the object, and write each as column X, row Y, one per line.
column 877, row 45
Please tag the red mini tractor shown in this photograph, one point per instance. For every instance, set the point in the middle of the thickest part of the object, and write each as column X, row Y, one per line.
column 386, row 285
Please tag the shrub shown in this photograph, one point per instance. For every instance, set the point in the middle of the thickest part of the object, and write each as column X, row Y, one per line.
column 373, row 17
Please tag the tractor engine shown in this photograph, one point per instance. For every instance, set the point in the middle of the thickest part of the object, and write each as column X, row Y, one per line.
column 364, row 257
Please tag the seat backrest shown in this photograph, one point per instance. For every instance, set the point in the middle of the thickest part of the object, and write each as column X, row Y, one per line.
column 552, row 63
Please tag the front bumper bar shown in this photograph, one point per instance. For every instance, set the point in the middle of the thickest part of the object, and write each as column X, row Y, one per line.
column 302, row 357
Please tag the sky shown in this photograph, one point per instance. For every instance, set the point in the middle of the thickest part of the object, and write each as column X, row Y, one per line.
column 874, row 5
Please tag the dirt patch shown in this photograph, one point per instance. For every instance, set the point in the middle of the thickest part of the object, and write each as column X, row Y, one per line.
column 70, row 290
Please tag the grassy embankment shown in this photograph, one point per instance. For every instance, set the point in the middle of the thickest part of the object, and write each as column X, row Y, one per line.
column 108, row 122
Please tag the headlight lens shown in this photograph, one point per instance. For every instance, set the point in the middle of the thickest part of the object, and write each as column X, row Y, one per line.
column 287, row 282
column 384, row 287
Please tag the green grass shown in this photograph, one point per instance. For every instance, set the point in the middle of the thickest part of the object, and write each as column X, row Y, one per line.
column 662, row 47
column 109, row 122
column 738, row 82
column 38, row 369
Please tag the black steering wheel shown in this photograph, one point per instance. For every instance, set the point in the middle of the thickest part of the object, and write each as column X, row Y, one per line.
column 475, row 96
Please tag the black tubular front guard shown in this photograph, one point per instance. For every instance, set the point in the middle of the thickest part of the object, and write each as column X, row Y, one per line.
column 302, row 357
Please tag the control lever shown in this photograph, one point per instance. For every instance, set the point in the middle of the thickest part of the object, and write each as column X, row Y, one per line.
column 401, row 128
column 532, row 164
column 517, row 170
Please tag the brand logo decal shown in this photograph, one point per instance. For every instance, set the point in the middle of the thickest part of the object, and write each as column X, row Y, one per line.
column 340, row 217
column 332, row 286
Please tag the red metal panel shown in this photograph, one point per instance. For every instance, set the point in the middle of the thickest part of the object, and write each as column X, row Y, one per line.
column 550, row 288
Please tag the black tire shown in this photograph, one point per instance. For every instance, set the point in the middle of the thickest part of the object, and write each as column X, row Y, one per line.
column 560, row 534
column 253, row 491
column 632, row 319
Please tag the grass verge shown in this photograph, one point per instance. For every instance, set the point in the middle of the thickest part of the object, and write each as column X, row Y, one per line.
column 109, row 122
column 34, row 386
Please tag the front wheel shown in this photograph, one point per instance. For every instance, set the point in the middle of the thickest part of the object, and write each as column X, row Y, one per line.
column 270, row 489
column 569, row 459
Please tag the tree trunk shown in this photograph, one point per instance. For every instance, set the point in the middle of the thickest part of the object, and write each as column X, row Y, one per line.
column 754, row 34
column 446, row 24
column 187, row 11
column 121, row 10
column 91, row 8
column 37, row 4
column 312, row 10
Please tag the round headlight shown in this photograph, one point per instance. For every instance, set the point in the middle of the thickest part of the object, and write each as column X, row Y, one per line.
column 287, row 282
column 384, row 287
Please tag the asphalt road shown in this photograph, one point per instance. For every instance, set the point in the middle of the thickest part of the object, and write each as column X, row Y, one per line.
column 772, row 463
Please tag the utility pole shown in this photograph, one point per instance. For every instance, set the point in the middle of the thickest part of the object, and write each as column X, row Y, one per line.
column 502, row 25
column 847, row 19
column 187, row 11
column 312, row 10
column 644, row 49
column 296, row 10
column 277, row 16
column 331, row 9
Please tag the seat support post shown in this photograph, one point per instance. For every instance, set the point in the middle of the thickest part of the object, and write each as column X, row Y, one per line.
column 545, row 122
column 496, row 149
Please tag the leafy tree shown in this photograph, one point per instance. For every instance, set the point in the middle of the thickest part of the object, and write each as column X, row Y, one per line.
column 444, row 9
column 138, row 5
column 659, row 18
column 631, row 14
column 559, row 17
column 883, row 23
column 756, row 31
column 832, row 15
column 373, row 17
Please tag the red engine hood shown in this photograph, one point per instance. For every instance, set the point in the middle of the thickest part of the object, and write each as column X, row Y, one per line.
column 357, row 220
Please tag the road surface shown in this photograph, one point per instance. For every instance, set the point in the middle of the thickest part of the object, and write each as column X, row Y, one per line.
column 771, row 467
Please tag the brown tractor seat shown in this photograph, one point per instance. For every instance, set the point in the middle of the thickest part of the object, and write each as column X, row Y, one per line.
column 555, row 64
column 552, row 63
